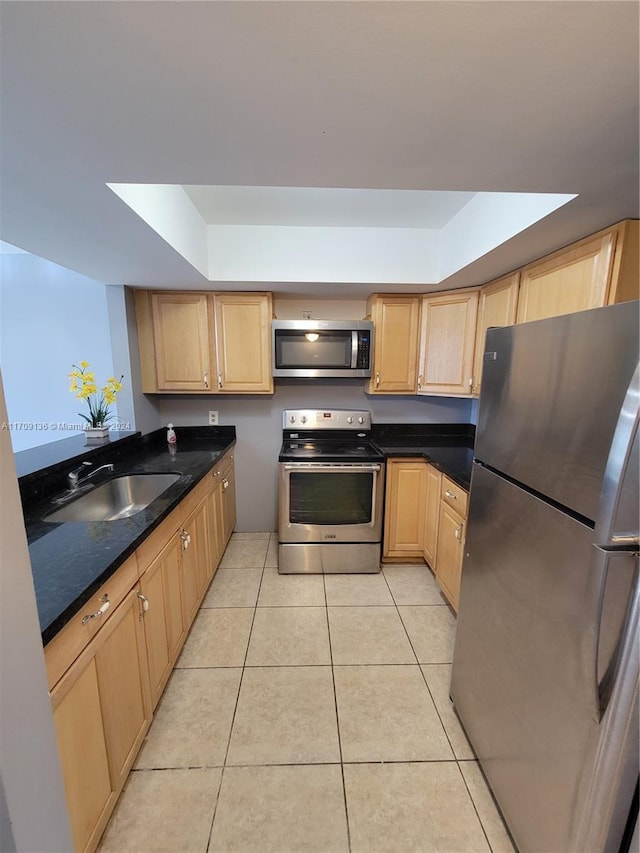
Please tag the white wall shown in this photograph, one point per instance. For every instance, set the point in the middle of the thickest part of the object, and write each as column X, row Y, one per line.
column 258, row 422
column 30, row 778
column 50, row 318
column 264, row 253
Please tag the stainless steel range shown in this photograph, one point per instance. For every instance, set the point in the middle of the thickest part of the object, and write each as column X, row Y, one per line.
column 331, row 488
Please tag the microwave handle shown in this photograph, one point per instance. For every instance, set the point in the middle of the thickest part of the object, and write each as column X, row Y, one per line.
column 354, row 349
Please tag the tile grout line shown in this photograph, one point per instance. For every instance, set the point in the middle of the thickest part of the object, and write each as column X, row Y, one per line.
column 335, row 703
column 475, row 808
column 235, row 708
column 446, row 734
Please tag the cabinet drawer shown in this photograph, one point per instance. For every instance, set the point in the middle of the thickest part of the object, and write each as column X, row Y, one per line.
column 154, row 543
column 65, row 647
column 454, row 495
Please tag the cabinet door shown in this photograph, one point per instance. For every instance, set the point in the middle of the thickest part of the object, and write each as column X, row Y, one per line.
column 163, row 622
column 182, row 341
column 625, row 276
column 573, row 279
column 83, row 753
column 243, row 342
column 497, row 307
column 395, row 354
column 447, row 338
column 216, row 526
column 431, row 514
column 228, row 502
column 405, row 508
column 123, row 679
column 194, row 562
column 102, row 710
column 451, row 536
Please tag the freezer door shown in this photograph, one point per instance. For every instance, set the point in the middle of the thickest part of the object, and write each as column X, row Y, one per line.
column 523, row 671
column 552, row 391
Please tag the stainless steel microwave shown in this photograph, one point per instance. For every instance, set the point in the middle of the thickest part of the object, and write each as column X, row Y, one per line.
column 315, row 349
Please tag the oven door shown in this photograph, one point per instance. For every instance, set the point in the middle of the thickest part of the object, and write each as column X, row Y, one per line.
column 330, row 502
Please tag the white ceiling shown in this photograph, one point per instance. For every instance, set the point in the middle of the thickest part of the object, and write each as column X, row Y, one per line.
column 469, row 97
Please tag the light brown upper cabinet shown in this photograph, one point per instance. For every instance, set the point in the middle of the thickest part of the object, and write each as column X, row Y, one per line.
column 243, row 342
column 447, row 338
column 396, row 321
column 496, row 307
column 600, row 270
column 183, row 341
column 204, row 343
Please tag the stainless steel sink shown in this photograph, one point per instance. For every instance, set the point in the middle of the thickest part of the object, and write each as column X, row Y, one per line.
column 118, row 498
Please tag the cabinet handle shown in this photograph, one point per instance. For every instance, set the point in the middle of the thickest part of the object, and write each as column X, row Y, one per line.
column 458, row 533
column 219, row 380
column 217, row 473
column 450, row 494
column 106, row 604
column 185, row 536
column 206, row 379
column 225, row 483
column 145, row 603
column 420, row 380
column 471, row 382
column 377, row 378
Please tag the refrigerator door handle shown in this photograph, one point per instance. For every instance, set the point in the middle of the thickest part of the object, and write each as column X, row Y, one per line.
column 603, row 637
column 601, row 818
column 623, row 447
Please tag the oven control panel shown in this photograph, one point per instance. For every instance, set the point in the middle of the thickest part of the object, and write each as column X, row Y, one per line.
column 357, row 419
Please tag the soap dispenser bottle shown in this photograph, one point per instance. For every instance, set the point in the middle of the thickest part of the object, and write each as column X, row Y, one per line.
column 172, row 441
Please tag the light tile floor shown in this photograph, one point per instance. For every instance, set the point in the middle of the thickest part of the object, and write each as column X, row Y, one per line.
column 309, row 714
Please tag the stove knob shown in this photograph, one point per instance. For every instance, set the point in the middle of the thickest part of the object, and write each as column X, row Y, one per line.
column 292, row 419
column 360, row 420
column 349, row 420
column 304, row 419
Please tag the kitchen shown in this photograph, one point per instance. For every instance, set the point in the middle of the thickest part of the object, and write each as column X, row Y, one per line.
column 595, row 208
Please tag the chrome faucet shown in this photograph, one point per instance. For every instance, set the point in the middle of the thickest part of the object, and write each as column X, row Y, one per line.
column 74, row 477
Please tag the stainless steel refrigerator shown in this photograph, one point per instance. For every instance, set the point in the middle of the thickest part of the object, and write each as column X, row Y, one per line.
column 545, row 668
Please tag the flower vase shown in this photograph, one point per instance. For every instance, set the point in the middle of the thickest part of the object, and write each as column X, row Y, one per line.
column 96, row 435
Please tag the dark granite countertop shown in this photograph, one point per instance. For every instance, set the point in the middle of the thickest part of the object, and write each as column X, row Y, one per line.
column 71, row 560
column 449, row 447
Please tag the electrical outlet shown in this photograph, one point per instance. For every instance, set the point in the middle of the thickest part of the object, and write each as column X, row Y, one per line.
column 213, row 418
column 306, row 315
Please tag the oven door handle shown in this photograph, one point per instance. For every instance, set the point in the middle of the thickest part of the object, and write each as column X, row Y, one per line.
column 321, row 467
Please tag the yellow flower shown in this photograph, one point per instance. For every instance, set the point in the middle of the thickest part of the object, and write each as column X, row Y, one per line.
column 83, row 384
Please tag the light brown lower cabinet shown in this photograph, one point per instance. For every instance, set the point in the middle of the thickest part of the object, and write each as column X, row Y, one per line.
column 451, row 533
column 425, row 518
column 107, row 675
column 452, row 526
column 164, row 627
column 431, row 515
column 102, row 710
column 406, row 482
column 195, row 559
